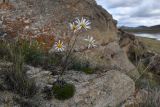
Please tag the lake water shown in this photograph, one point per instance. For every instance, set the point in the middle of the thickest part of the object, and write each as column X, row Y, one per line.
column 147, row 35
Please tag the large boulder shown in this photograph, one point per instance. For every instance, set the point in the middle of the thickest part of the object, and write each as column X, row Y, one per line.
column 108, row 89
column 96, row 90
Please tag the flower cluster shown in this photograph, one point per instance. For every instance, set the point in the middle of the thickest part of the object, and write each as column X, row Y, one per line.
column 80, row 24
column 77, row 25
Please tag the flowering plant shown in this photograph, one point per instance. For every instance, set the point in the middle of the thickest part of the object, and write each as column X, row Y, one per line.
column 75, row 27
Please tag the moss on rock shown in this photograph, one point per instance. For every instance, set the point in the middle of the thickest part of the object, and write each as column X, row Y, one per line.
column 63, row 91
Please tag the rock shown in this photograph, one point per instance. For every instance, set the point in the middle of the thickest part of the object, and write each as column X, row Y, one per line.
column 42, row 78
column 95, row 90
column 108, row 89
column 132, row 46
column 110, row 57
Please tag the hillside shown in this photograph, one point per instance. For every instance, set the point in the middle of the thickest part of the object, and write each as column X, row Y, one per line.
column 142, row 29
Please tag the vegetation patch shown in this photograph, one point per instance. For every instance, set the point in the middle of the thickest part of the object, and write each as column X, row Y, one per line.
column 63, row 90
column 81, row 65
column 32, row 54
column 16, row 78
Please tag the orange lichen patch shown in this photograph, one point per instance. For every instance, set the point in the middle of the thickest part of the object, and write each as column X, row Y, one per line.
column 17, row 29
column 46, row 41
column 6, row 6
column 14, row 27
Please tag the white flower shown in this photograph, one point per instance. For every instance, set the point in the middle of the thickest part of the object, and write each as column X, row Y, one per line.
column 83, row 23
column 59, row 46
column 74, row 27
column 91, row 42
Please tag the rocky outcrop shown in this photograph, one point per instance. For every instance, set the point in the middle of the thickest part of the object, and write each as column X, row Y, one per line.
column 131, row 45
column 138, row 53
column 51, row 17
column 54, row 18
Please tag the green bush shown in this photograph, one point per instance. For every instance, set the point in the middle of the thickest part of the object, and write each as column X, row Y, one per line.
column 63, row 91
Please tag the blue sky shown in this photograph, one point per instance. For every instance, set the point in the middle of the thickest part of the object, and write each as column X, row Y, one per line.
column 133, row 12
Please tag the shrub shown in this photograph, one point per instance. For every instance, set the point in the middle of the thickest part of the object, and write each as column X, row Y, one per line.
column 63, row 90
column 16, row 78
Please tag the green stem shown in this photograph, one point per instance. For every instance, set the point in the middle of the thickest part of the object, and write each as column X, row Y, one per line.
column 67, row 57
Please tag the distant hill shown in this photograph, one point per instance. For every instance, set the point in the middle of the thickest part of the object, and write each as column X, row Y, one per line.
column 142, row 29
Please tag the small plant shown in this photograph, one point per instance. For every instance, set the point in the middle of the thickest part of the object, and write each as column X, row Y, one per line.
column 63, row 90
column 88, row 70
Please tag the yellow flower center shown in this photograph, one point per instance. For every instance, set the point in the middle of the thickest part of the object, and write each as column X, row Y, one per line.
column 83, row 25
column 59, row 45
column 75, row 27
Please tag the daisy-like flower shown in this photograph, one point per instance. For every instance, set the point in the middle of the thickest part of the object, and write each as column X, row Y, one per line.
column 83, row 23
column 59, row 46
column 74, row 27
column 91, row 42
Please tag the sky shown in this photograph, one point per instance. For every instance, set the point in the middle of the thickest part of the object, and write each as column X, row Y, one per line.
column 133, row 12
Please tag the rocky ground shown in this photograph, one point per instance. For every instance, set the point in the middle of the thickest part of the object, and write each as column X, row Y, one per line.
column 117, row 55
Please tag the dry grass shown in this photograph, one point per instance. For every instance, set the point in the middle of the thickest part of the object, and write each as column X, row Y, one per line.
column 151, row 44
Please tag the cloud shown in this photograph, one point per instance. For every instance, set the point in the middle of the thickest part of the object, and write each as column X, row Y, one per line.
column 119, row 3
column 133, row 12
